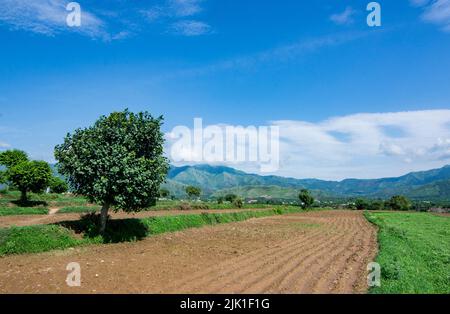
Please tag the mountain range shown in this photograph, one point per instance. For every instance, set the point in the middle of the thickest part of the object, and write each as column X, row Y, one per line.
column 220, row 180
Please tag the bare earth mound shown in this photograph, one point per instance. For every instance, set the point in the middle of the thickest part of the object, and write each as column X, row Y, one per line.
column 316, row 252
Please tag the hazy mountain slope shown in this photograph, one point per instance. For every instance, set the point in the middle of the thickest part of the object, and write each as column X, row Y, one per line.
column 218, row 180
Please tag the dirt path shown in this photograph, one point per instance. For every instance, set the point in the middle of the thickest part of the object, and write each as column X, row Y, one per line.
column 54, row 217
column 316, row 252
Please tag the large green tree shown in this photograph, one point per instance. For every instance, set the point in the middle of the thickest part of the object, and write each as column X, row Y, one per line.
column 118, row 162
column 306, row 198
column 25, row 175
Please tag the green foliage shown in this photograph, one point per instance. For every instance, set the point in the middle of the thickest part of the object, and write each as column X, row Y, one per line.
column 12, row 211
column 30, row 176
column 193, row 191
column 361, row 204
column 58, row 185
column 306, row 198
column 414, row 252
column 34, row 239
column 116, row 162
column 164, row 193
column 398, row 202
column 238, row 203
column 220, row 200
column 375, row 205
column 230, row 197
column 11, row 158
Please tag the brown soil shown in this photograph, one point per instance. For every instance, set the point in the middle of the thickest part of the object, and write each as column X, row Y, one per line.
column 316, row 252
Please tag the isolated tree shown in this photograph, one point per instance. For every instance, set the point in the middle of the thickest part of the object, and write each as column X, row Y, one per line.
column 398, row 202
column 230, row 197
column 376, row 205
column 306, row 198
column 361, row 204
column 238, row 203
column 164, row 193
column 58, row 185
column 118, row 162
column 30, row 176
column 220, row 200
column 193, row 191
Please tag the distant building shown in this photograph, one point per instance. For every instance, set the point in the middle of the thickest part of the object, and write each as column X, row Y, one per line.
column 439, row 210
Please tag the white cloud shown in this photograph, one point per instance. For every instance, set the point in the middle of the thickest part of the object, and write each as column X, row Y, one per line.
column 191, row 28
column 183, row 8
column 435, row 11
column 4, row 145
column 47, row 17
column 173, row 11
column 312, row 150
column 345, row 17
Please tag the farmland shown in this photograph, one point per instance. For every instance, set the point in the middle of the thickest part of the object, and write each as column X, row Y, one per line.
column 319, row 251
column 209, row 247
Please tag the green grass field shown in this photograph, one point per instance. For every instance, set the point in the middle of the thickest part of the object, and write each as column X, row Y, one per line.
column 414, row 252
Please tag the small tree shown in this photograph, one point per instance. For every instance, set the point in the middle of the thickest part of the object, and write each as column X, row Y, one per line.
column 11, row 158
column 193, row 191
column 220, row 200
column 398, row 202
column 376, row 205
column 361, row 204
column 30, row 176
column 118, row 162
column 164, row 193
column 58, row 185
column 238, row 203
column 230, row 197
column 306, row 198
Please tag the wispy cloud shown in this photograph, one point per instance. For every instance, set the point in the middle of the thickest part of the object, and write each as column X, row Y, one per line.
column 435, row 11
column 280, row 54
column 175, row 13
column 4, row 145
column 343, row 18
column 47, row 17
column 191, row 28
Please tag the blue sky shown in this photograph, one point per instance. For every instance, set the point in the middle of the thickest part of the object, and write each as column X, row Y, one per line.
column 313, row 67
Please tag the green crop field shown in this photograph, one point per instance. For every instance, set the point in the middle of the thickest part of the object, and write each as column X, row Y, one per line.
column 414, row 252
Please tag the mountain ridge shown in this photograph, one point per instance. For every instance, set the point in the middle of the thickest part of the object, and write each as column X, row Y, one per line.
column 216, row 179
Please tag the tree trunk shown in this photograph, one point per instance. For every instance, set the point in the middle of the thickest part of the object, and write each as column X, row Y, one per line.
column 104, row 217
column 23, row 196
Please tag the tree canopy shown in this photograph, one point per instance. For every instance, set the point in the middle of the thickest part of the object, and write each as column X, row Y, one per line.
column 306, row 198
column 25, row 175
column 118, row 162
column 193, row 191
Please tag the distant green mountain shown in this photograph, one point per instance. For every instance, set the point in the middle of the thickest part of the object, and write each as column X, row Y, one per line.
column 219, row 180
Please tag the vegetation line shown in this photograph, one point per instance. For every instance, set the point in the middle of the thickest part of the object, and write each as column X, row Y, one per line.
column 42, row 238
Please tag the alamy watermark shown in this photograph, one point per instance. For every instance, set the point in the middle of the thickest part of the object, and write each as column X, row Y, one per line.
column 230, row 144
column 374, row 276
column 73, row 19
column 73, row 279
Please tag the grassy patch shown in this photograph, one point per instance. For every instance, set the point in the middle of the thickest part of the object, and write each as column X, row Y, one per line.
column 34, row 239
column 11, row 211
column 414, row 252
column 78, row 209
